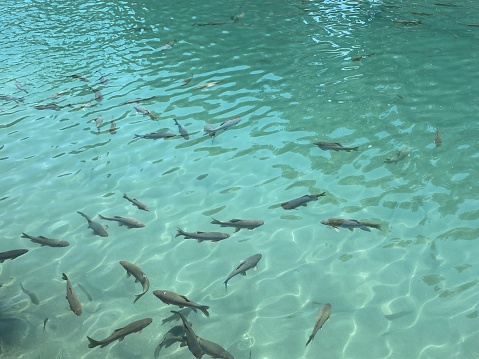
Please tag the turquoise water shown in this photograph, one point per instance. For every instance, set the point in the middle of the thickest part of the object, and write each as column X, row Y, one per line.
column 286, row 68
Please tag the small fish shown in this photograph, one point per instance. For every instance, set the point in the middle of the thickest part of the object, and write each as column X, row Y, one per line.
column 136, row 100
column 360, row 57
column 187, row 81
column 181, row 301
column 136, row 272
column 84, row 290
column 437, row 139
column 11, row 98
column 182, row 131
column 80, row 77
column 113, row 129
column 103, row 80
column 49, row 106
column 207, row 85
column 14, row 253
column 350, row 224
column 145, row 112
column 321, row 319
column 156, row 135
column 213, row 349
column 97, row 228
column 98, row 94
column 124, row 221
column 334, row 146
column 20, row 87
column 210, row 130
column 473, row 25
column 444, row 4
column 120, row 333
column 421, row 13
column 73, row 301
column 184, row 311
column 59, row 93
column 172, row 336
column 248, row 263
column 238, row 224
column 210, row 23
column 167, row 46
column 400, row 155
column 33, row 296
column 137, row 203
column 407, row 22
column 45, row 323
column 98, row 121
column 301, row 201
column 44, row 241
column 203, row 236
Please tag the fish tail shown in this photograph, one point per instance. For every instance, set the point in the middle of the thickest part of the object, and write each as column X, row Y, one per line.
column 24, row 235
column 355, row 148
column 364, row 228
column 125, row 195
column 180, row 232
column 93, row 342
column 64, row 276
column 204, row 309
column 309, row 340
column 215, row 221
column 102, row 217
column 138, row 296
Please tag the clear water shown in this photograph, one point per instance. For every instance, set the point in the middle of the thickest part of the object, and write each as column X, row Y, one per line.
column 408, row 291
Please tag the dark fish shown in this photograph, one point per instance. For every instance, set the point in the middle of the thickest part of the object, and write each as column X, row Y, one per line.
column 223, row 126
column 437, row 139
column 321, row 319
column 184, row 311
column 19, row 86
column 97, row 228
column 49, row 106
column 350, row 224
column 334, row 146
column 421, row 13
column 400, row 155
column 239, row 223
column 187, row 81
column 145, row 112
column 203, row 236
column 124, row 221
column 45, row 323
column 33, row 296
column 360, row 57
column 246, row 264
column 12, row 254
column 113, row 129
column 88, row 295
column 44, row 241
column 121, row 333
column 182, row 131
column 156, row 135
column 210, row 23
column 181, row 301
column 73, row 301
column 137, row 203
column 191, row 339
column 167, row 46
column 11, row 98
column 172, row 336
column 98, row 94
column 137, row 100
column 301, row 201
column 80, row 77
column 213, row 349
column 98, row 122
column 136, row 272
column 407, row 22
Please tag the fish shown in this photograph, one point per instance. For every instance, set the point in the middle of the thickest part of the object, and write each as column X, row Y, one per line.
column 437, row 139
column 59, row 93
column 137, row 203
column 172, row 336
column 20, row 87
column 421, row 13
column 80, row 77
column 12, row 254
column 113, row 129
column 301, row 201
column 103, row 80
column 124, row 221
column 400, row 155
column 181, row 301
column 350, row 224
column 207, row 85
column 73, row 301
column 181, row 130
column 11, row 98
column 321, row 319
column 45, row 323
column 136, row 100
column 213, row 349
column 209, row 23
column 120, row 333
column 88, row 295
column 238, row 224
column 97, row 228
column 203, row 236
column 167, row 46
column 156, row 135
column 407, row 22
column 186, row 81
column 145, row 112
column 44, row 241
column 33, row 296
column 136, row 272
column 184, row 311
column 334, row 146
column 49, row 106
column 248, row 263
column 98, row 94
column 360, row 57
column 210, row 130
column 98, row 121
column 191, row 339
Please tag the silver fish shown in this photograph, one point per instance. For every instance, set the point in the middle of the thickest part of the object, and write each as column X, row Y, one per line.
column 400, row 155
column 350, row 224
column 322, row 318
column 181, row 301
column 12, row 254
column 156, row 135
column 98, row 94
column 137, row 203
column 11, row 98
column 167, row 46
column 191, row 339
column 223, row 126
column 181, row 130
column 239, row 223
column 145, row 112
column 213, row 349
column 203, row 236
column 44, row 241
column 20, row 87
column 301, row 201
column 73, row 301
column 136, row 272
column 33, row 296
column 248, row 263
column 98, row 121
column 97, row 228
column 334, row 146
column 124, row 221
column 120, row 333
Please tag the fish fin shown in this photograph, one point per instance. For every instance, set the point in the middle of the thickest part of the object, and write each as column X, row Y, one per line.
column 200, row 240
column 243, row 273
column 204, row 309
column 121, row 339
column 364, row 228
column 237, row 230
column 102, row 217
column 93, row 342
column 351, row 229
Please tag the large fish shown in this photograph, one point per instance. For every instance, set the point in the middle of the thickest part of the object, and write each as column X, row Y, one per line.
column 14, row 253
column 120, row 333
column 136, row 272
column 350, row 224
column 321, row 319
column 223, row 126
column 400, row 155
column 156, row 135
column 124, row 221
column 334, row 146
column 301, row 201
column 203, row 236
column 73, row 301
column 137, row 203
column 97, row 228
column 239, row 223
column 181, row 130
column 213, row 349
column 191, row 339
column 44, row 241
column 172, row 336
column 246, row 264
column 181, row 301
column 145, row 112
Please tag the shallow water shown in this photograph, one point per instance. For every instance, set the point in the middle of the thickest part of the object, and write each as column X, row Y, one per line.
column 286, row 68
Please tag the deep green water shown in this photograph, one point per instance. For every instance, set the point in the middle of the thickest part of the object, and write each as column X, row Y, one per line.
column 286, row 68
